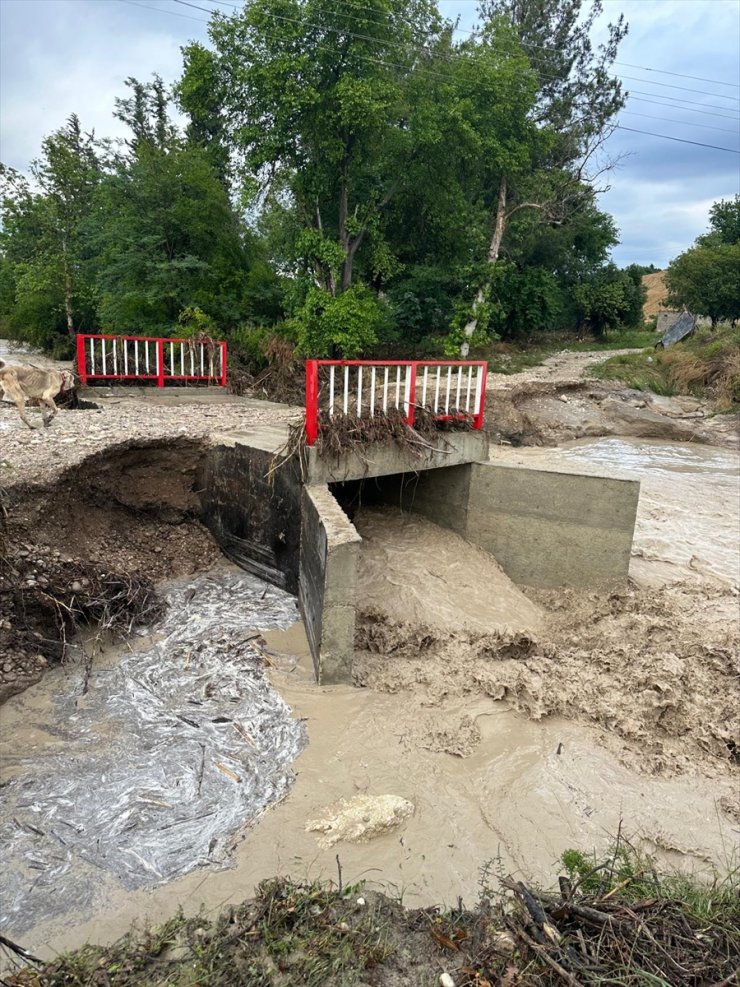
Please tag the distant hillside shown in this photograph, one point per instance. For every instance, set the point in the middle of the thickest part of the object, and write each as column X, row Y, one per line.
column 656, row 291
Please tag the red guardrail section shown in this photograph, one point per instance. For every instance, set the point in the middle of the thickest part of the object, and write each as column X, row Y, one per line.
column 150, row 358
column 366, row 388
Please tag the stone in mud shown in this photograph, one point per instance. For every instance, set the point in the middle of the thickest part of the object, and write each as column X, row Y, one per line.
column 360, row 819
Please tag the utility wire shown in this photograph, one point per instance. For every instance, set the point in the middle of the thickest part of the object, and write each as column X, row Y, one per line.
column 676, row 106
column 463, row 30
column 685, row 123
column 681, row 140
column 396, row 44
column 439, row 75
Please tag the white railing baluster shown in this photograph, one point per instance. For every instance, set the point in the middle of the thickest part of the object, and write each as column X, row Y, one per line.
column 192, row 359
column 424, row 387
column 102, row 348
column 346, row 390
column 331, row 392
column 125, row 358
column 359, row 391
column 92, row 356
column 136, row 357
column 467, row 396
column 115, row 357
column 447, row 392
column 385, row 392
column 211, row 372
column 372, row 392
column 407, row 393
column 182, row 359
column 146, row 355
column 202, row 358
column 398, row 387
column 459, row 388
column 436, row 391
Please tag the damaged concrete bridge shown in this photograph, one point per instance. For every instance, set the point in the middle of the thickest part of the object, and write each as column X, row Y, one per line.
column 280, row 504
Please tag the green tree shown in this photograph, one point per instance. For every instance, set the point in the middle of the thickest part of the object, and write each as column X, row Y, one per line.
column 46, row 228
column 724, row 223
column 316, row 114
column 706, row 280
column 575, row 102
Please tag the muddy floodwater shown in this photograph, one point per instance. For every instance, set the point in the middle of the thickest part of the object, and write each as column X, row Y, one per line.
column 525, row 792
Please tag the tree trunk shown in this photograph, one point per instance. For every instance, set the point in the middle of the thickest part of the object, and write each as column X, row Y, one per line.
column 493, row 252
column 67, row 292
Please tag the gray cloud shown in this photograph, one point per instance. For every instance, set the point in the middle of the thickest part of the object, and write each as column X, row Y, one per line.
column 64, row 56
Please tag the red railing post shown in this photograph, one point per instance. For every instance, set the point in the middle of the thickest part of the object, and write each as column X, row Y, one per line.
column 478, row 419
column 223, row 365
column 81, row 361
column 160, row 363
column 312, row 401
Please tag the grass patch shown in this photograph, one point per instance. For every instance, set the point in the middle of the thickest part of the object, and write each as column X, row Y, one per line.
column 706, row 365
column 616, row 921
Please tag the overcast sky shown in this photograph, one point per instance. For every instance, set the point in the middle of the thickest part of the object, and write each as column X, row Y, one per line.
column 64, row 56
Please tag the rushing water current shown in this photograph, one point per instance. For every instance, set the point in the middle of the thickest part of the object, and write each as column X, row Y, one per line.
column 177, row 745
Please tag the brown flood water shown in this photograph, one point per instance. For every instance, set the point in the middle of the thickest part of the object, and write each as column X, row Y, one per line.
column 526, row 792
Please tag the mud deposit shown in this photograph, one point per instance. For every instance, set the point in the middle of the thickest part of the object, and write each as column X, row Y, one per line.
column 176, row 746
column 414, row 571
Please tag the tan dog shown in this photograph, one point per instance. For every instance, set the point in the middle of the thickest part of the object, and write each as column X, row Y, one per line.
column 24, row 383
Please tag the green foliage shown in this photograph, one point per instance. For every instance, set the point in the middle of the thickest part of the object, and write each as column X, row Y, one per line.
column 345, row 325
column 706, row 280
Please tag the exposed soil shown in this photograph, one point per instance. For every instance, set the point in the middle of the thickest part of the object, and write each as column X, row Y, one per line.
column 656, row 292
column 557, row 402
column 87, row 548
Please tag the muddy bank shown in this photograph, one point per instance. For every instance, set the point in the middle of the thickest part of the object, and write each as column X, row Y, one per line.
column 608, row 922
column 85, row 550
column 540, row 413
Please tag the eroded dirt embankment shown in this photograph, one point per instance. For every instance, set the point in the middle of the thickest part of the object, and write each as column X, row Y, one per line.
column 87, row 548
column 558, row 402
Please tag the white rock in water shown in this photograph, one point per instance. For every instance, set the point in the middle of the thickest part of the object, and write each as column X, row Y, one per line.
column 361, row 818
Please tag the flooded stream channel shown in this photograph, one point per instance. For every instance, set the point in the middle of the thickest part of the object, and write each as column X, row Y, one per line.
column 150, row 791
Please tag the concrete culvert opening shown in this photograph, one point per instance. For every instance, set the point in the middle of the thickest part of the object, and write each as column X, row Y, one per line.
column 154, row 736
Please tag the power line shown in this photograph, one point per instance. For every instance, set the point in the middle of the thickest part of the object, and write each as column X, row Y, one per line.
column 674, row 106
column 681, row 140
column 644, row 68
column 439, row 75
column 396, row 44
column 685, row 123
column 162, row 10
column 680, row 75
column 690, row 102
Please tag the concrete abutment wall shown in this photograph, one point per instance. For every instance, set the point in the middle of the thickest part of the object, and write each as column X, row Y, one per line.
column 546, row 529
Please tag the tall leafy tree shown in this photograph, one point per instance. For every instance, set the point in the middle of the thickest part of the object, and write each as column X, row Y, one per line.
column 576, row 100
column 705, row 279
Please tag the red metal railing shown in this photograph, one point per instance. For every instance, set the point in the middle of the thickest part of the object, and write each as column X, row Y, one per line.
column 148, row 358
column 369, row 388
